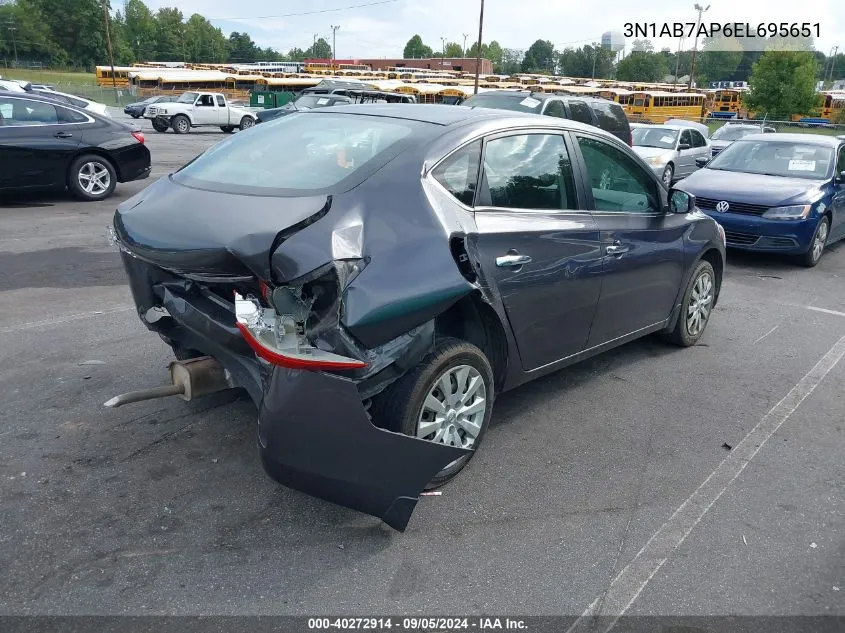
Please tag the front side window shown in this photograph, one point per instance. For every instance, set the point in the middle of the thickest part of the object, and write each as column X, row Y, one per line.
column 22, row 112
column 323, row 152
column 459, row 173
column 619, row 184
column 528, row 171
column 686, row 139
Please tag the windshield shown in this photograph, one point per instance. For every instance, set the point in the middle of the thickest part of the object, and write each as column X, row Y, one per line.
column 775, row 158
column 663, row 138
column 321, row 151
column 733, row 132
column 517, row 103
column 188, row 97
column 313, row 101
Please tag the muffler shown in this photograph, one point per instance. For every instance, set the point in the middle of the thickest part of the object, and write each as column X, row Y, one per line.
column 190, row 379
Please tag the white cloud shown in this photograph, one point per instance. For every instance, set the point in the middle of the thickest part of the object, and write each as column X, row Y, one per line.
column 383, row 30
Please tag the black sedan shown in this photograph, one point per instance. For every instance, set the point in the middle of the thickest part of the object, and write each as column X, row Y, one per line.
column 136, row 110
column 44, row 144
column 376, row 285
column 305, row 102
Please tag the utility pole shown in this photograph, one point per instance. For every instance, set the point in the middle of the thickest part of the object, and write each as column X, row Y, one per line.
column 700, row 10
column 465, row 42
column 478, row 52
column 833, row 54
column 678, row 61
column 12, row 30
column 595, row 55
column 111, row 55
column 443, row 42
column 334, row 44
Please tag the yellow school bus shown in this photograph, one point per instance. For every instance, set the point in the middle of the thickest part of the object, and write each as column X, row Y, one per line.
column 622, row 96
column 658, row 107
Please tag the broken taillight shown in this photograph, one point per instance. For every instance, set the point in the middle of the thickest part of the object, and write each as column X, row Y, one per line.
column 275, row 338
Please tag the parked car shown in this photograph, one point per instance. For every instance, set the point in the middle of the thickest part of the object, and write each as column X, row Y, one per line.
column 304, row 102
column 74, row 101
column 9, row 85
column 398, row 266
column 45, row 144
column 196, row 109
column 705, row 131
column 670, row 150
column 782, row 193
column 601, row 113
column 731, row 132
column 136, row 110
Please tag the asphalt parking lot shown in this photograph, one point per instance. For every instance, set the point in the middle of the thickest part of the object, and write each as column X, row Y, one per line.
column 162, row 506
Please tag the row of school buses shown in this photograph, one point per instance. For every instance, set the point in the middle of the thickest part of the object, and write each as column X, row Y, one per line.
column 655, row 102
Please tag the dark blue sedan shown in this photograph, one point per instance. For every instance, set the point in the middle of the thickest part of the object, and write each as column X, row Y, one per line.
column 781, row 193
column 136, row 110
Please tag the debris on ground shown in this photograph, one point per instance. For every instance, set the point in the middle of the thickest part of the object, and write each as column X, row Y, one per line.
column 433, row 493
column 727, row 446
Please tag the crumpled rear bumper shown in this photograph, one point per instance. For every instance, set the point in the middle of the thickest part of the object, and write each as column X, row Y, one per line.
column 314, row 432
column 315, row 436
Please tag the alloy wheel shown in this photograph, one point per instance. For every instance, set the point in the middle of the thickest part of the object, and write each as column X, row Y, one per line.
column 454, row 409
column 700, row 303
column 819, row 240
column 94, row 178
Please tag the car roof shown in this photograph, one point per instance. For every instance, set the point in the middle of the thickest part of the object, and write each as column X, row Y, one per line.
column 543, row 95
column 807, row 139
column 439, row 114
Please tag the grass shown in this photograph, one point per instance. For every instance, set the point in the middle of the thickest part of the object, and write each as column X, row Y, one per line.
column 50, row 76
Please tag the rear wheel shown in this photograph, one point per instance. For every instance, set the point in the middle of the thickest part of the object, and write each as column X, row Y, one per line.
column 247, row 122
column 159, row 125
column 817, row 244
column 91, row 177
column 447, row 398
column 696, row 306
column 228, row 129
column 181, row 124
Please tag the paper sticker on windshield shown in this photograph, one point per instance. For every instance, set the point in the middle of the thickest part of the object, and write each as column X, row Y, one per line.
column 529, row 102
column 667, row 139
column 322, row 101
column 802, row 165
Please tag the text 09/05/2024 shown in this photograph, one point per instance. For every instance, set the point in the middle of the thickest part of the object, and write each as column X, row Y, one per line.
column 716, row 29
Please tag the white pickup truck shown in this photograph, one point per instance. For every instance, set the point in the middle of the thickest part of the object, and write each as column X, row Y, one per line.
column 194, row 109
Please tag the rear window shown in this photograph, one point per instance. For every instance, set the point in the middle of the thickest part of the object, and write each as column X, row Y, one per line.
column 610, row 115
column 515, row 102
column 301, row 154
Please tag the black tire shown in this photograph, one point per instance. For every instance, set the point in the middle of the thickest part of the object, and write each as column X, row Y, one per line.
column 813, row 256
column 180, row 124
column 135, row 116
column 228, row 129
column 88, row 164
column 159, row 125
column 684, row 334
column 247, row 122
column 400, row 406
column 668, row 175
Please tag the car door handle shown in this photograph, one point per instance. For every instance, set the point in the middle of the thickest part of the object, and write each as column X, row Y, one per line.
column 512, row 260
column 616, row 248
column 63, row 135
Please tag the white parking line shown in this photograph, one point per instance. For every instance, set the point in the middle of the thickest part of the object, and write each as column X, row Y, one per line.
column 64, row 319
column 765, row 335
column 825, row 310
column 630, row 582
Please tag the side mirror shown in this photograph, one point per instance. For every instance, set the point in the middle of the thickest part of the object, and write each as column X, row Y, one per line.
column 681, row 201
column 684, row 146
column 701, row 162
column 840, row 179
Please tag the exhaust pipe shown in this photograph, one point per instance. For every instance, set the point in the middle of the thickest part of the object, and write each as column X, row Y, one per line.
column 190, row 379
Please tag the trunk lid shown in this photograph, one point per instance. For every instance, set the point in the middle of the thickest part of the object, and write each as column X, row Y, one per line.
column 192, row 231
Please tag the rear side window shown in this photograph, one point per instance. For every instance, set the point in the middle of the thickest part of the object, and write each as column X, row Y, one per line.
column 221, row 102
column 70, row 116
column 323, row 153
column 21, row 112
column 610, row 116
column 555, row 108
column 459, row 173
column 697, row 139
column 580, row 112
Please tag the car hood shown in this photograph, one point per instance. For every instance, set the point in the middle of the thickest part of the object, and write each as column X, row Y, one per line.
column 751, row 188
column 717, row 144
column 648, row 152
column 208, row 233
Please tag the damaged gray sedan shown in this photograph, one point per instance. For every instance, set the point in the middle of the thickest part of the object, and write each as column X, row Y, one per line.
column 373, row 276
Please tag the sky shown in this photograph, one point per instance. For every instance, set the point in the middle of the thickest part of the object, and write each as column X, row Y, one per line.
column 383, row 29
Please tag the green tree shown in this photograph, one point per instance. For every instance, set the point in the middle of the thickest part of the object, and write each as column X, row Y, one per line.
column 642, row 46
column 578, row 62
column 321, row 49
column 511, row 61
column 642, row 66
column 32, row 38
column 76, row 27
column 170, row 36
column 718, row 60
column 453, row 49
column 204, row 42
column 494, row 54
column 140, row 30
column 242, row 49
column 782, row 84
column 416, row 49
column 296, row 55
column 540, row 57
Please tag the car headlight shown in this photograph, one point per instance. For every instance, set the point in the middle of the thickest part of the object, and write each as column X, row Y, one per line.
column 794, row 212
column 657, row 161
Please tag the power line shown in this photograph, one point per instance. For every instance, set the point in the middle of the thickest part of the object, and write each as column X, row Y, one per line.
column 291, row 15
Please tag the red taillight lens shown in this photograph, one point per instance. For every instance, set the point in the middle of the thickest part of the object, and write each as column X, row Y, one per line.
column 139, row 136
column 294, row 362
column 265, row 290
